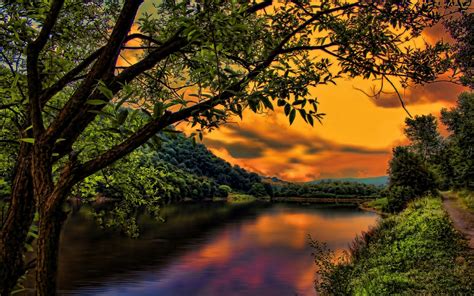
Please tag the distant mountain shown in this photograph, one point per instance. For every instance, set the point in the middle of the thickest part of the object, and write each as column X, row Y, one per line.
column 381, row 180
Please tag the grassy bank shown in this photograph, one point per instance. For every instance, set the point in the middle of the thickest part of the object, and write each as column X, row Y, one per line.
column 235, row 197
column 378, row 205
column 467, row 199
column 414, row 253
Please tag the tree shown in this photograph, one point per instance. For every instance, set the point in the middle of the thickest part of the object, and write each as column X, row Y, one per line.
column 425, row 139
column 258, row 190
column 409, row 173
column 196, row 62
column 223, row 191
column 460, row 123
column 461, row 29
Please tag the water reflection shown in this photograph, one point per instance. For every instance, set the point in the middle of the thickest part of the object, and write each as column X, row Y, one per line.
column 215, row 251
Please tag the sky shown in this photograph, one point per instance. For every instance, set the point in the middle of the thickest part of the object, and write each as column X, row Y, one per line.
column 355, row 138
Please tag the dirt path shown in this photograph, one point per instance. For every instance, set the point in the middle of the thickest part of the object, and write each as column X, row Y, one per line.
column 463, row 219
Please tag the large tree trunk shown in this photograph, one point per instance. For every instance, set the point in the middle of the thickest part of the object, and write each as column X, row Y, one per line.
column 50, row 198
column 19, row 218
column 48, row 250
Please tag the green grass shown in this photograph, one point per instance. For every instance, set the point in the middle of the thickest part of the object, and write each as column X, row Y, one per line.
column 235, row 197
column 467, row 199
column 414, row 253
column 378, row 204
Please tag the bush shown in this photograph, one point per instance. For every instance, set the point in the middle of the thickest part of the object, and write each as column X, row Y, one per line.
column 258, row 190
column 223, row 191
column 398, row 197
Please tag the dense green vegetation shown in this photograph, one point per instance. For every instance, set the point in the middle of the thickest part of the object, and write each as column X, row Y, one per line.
column 326, row 189
column 467, row 199
column 415, row 253
column 430, row 161
column 177, row 169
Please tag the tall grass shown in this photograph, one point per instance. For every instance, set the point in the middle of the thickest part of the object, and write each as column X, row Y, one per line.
column 417, row 252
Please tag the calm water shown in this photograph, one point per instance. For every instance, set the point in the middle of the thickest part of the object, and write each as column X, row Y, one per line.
column 206, row 250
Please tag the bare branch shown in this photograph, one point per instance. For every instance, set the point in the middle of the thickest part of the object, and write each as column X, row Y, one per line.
column 399, row 96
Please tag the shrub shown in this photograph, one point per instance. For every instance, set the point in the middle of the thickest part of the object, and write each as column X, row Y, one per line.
column 398, row 197
column 258, row 190
column 223, row 191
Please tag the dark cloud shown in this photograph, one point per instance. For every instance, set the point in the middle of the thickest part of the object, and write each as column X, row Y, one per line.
column 429, row 93
column 361, row 150
column 294, row 160
column 237, row 150
column 436, row 33
column 313, row 150
column 241, row 150
column 254, row 144
column 258, row 139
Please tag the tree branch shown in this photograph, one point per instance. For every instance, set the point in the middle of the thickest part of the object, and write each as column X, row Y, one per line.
column 259, row 6
column 69, row 77
column 102, row 70
column 307, row 47
column 33, row 50
column 398, row 95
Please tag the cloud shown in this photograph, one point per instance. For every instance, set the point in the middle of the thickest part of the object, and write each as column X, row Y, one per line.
column 444, row 92
column 291, row 155
column 237, row 149
column 436, row 33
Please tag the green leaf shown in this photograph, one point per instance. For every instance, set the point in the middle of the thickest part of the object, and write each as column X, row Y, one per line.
column 298, row 102
column 96, row 102
column 267, row 103
column 303, row 114
column 28, row 140
column 158, row 109
column 287, row 109
column 292, row 116
column 105, row 90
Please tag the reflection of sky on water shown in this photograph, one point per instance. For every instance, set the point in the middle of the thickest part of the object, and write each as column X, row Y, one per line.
column 265, row 255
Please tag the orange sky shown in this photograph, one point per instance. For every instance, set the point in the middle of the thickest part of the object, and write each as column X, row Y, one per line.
column 354, row 140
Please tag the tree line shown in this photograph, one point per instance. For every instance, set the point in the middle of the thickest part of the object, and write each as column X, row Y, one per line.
column 431, row 161
column 327, row 189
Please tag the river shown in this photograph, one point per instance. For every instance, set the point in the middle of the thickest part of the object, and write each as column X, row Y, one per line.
column 207, row 249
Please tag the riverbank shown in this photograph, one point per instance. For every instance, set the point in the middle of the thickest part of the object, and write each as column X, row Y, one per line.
column 332, row 200
column 417, row 252
column 376, row 206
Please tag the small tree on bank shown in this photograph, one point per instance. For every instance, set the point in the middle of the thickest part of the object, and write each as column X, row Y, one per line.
column 66, row 64
column 409, row 177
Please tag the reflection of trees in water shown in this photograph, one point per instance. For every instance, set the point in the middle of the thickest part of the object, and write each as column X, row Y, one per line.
column 89, row 253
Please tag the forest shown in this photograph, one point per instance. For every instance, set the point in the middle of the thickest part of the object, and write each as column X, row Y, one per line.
column 108, row 101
